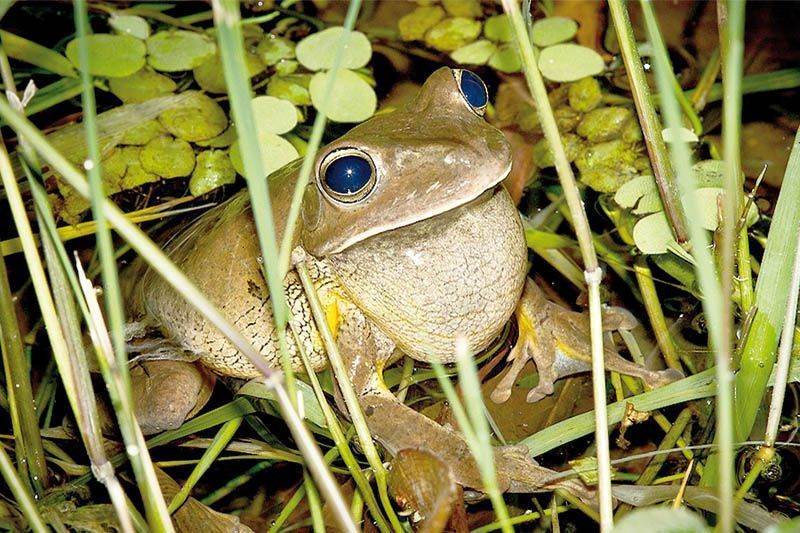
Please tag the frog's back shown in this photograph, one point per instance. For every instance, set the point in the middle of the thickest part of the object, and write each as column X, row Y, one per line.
column 220, row 253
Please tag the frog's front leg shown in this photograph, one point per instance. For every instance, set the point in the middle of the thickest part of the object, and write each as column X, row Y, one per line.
column 557, row 340
column 397, row 427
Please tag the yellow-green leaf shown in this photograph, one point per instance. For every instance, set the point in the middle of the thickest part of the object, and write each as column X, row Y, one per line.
column 110, row 56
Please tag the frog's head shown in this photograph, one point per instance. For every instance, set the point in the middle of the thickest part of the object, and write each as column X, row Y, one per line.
column 433, row 155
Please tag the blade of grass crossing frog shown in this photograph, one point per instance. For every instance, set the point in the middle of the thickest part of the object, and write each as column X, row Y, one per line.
column 592, row 272
column 229, row 34
column 314, row 141
column 342, row 444
column 161, row 264
column 346, row 388
column 105, row 247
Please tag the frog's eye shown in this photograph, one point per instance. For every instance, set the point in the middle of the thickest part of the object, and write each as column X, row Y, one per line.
column 473, row 90
column 347, row 175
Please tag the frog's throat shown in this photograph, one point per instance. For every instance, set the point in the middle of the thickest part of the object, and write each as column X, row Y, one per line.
column 444, row 207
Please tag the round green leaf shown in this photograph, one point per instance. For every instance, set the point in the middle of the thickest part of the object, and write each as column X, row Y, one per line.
column 210, row 76
column 506, row 59
column 453, row 33
column 223, row 140
column 351, row 99
column 272, row 49
column 275, row 153
column 653, row 235
column 553, row 30
column 477, row 53
column 412, row 27
column 463, row 8
column 569, row 62
column 143, row 133
column 274, row 115
column 318, row 51
column 198, row 118
column 177, row 50
column 110, row 56
column 141, row 85
column 639, row 194
column 132, row 25
column 213, row 169
column 291, row 88
column 168, row 157
column 498, row 28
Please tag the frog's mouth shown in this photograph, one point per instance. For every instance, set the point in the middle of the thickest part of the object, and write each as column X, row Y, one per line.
column 328, row 232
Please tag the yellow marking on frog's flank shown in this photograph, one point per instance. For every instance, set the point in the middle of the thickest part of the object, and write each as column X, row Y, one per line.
column 526, row 327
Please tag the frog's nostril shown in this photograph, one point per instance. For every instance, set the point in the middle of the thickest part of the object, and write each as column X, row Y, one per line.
column 474, row 90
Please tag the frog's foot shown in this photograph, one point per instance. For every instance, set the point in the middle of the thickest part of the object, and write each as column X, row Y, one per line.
column 398, row 427
column 557, row 341
column 534, row 343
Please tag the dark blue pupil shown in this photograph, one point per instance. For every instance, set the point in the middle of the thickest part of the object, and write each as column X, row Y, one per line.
column 348, row 174
column 473, row 89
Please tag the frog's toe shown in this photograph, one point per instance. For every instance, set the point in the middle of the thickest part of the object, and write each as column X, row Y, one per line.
column 665, row 377
column 618, row 318
column 540, row 392
column 519, row 355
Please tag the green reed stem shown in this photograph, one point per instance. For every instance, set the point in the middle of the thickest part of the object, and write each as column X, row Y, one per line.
column 592, row 271
column 651, row 125
column 706, row 273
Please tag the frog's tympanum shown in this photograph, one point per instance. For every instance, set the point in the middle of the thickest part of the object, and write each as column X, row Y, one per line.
column 412, row 241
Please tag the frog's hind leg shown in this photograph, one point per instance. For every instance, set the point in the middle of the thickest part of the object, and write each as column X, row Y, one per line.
column 397, row 427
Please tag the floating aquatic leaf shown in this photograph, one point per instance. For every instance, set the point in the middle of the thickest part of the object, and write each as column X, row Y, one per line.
column 286, row 67
column 463, row 8
column 477, row 53
column 351, row 99
column 275, row 153
column 110, row 56
column 168, row 157
column 671, row 135
column 661, row 520
column 293, row 88
column 553, row 30
column 197, row 118
column 132, row 25
column 543, row 155
column 413, row 26
column 585, row 95
column 569, row 62
column 136, row 176
column 210, row 76
column 453, row 33
column 213, row 169
column 272, row 49
column 318, row 51
column 274, row 115
column 653, row 235
column 143, row 133
column 178, row 50
column 506, row 59
column 115, row 165
column 639, row 194
column 607, row 165
column 604, row 123
column 142, row 85
column 22, row 49
column 498, row 28
column 223, row 140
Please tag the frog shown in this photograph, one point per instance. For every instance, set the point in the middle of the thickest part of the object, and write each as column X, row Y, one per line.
column 412, row 242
